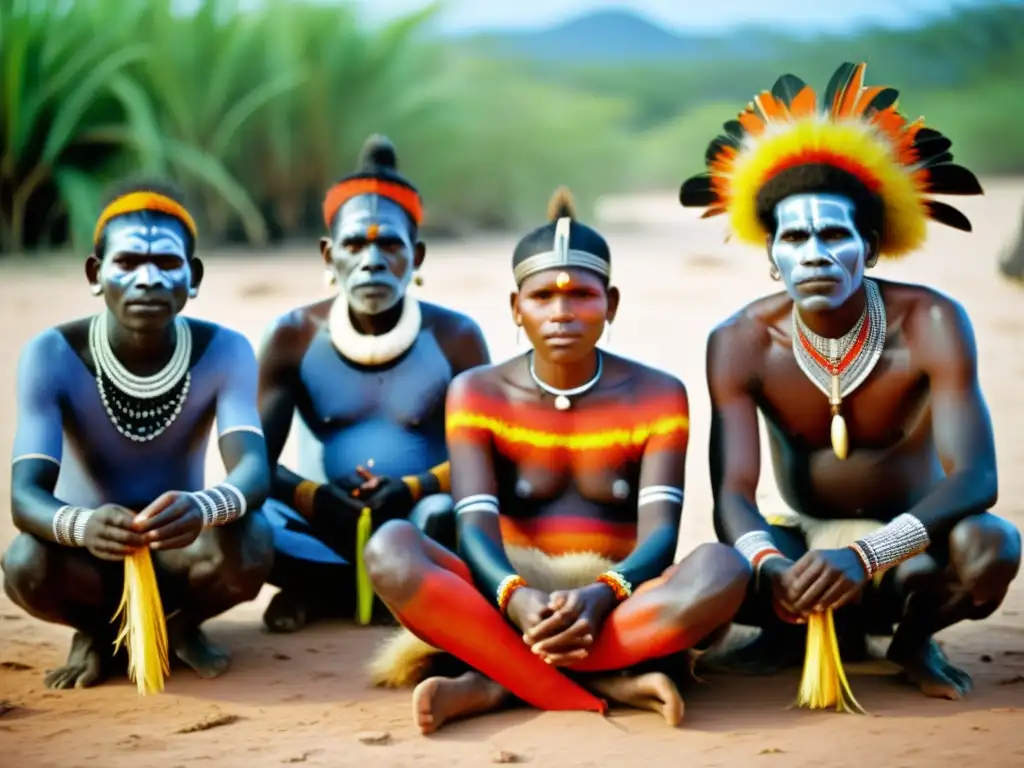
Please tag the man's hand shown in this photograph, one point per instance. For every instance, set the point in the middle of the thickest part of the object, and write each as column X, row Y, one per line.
column 173, row 521
column 387, row 497
column 109, row 534
column 576, row 616
column 823, row 579
column 527, row 608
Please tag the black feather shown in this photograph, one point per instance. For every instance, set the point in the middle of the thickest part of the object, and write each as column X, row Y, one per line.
column 735, row 129
column 948, row 215
column 926, row 134
column 945, row 157
column 931, row 147
column 715, row 147
column 696, row 192
column 883, row 100
column 949, row 179
column 786, row 89
column 840, row 79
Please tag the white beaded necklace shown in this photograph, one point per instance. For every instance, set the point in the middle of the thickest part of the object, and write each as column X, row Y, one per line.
column 141, row 407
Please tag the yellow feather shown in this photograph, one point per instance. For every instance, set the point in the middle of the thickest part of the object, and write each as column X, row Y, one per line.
column 143, row 625
column 905, row 214
column 824, row 682
column 364, row 590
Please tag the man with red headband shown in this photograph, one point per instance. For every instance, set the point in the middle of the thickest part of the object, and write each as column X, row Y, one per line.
column 114, row 417
column 881, row 439
column 367, row 373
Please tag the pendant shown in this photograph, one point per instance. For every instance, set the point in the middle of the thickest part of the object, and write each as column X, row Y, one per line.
column 562, row 403
column 840, row 438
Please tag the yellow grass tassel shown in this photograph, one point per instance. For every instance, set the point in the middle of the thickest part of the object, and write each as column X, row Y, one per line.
column 142, row 624
column 824, row 682
column 364, row 592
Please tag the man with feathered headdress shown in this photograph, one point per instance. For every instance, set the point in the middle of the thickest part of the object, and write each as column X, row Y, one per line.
column 881, row 439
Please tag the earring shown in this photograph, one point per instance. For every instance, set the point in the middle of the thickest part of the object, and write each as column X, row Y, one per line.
column 519, row 334
column 608, row 333
column 329, row 278
column 773, row 273
column 417, row 278
column 193, row 292
column 95, row 289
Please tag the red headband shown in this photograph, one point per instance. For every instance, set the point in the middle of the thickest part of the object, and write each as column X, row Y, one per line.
column 344, row 191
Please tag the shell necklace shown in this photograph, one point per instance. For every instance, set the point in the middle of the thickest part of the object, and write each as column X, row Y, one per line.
column 838, row 366
column 141, row 407
column 562, row 401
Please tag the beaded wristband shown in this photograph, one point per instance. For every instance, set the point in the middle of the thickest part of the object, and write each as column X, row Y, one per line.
column 756, row 547
column 69, row 525
column 221, row 504
column 507, row 586
column 618, row 583
column 900, row 540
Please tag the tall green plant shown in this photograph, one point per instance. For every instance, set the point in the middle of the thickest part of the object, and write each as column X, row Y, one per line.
column 67, row 102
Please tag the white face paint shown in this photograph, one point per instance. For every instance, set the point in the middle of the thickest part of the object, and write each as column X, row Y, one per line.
column 818, row 251
column 144, row 257
column 372, row 253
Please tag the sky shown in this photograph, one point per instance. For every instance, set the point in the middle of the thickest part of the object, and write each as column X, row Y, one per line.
column 681, row 15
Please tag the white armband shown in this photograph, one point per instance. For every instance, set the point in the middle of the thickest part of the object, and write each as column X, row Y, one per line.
column 221, row 504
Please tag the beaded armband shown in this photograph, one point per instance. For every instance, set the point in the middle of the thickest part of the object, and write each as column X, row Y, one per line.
column 221, row 504
column 618, row 584
column 756, row 547
column 507, row 586
column 69, row 525
column 900, row 540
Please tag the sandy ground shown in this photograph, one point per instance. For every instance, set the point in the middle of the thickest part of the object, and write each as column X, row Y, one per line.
column 305, row 698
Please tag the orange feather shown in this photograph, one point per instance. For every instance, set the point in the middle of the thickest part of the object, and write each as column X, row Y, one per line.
column 866, row 95
column 804, row 103
column 773, row 109
column 847, row 98
column 751, row 123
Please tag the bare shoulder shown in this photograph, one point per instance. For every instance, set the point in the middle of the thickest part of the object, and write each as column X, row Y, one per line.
column 740, row 341
column 483, row 381
column 448, row 323
column 47, row 348
column 651, row 381
column 936, row 326
column 290, row 333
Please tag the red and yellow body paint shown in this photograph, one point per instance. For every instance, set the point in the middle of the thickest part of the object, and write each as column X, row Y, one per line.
column 134, row 202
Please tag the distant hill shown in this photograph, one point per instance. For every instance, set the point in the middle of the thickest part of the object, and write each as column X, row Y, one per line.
column 617, row 37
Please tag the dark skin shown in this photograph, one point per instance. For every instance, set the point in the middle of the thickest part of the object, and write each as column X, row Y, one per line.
column 201, row 572
column 564, row 324
column 921, row 442
column 282, row 392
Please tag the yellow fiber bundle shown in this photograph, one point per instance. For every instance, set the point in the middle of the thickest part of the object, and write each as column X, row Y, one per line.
column 142, row 624
column 824, row 682
column 364, row 591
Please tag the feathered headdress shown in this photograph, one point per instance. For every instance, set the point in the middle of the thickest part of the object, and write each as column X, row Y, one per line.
column 785, row 143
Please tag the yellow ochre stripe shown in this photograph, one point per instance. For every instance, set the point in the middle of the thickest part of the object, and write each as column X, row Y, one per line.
column 575, row 442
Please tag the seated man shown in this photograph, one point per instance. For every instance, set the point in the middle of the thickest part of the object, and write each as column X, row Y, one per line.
column 567, row 466
column 881, row 439
column 367, row 373
column 114, row 417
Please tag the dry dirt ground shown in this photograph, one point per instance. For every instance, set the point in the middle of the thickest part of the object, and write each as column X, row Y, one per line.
column 305, row 698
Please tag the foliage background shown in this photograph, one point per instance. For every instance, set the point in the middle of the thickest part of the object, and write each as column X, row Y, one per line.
column 258, row 111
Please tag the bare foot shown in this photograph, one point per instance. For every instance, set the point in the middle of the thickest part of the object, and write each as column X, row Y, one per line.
column 927, row 667
column 437, row 700
column 84, row 667
column 653, row 691
column 193, row 647
column 287, row 612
